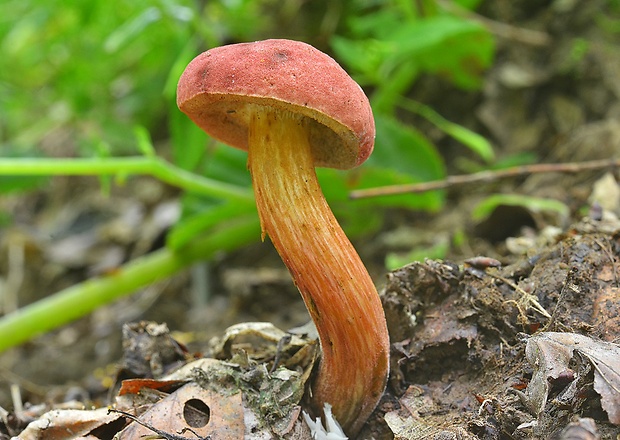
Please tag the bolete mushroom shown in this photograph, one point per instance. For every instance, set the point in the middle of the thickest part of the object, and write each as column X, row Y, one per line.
column 292, row 107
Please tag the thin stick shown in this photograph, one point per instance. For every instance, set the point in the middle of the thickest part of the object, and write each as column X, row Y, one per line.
column 486, row 176
column 160, row 432
column 503, row 30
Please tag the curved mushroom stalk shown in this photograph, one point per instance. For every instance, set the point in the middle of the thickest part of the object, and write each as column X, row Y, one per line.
column 336, row 287
column 293, row 108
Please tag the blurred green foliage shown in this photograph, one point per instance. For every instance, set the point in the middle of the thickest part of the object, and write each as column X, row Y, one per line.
column 98, row 78
column 390, row 47
column 85, row 71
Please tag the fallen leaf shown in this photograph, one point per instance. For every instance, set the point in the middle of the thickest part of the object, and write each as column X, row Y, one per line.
column 134, row 386
column 419, row 418
column 259, row 337
column 206, row 413
column 67, row 424
column 580, row 429
column 550, row 354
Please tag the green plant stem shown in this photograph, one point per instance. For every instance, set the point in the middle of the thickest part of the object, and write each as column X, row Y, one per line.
column 153, row 166
column 79, row 300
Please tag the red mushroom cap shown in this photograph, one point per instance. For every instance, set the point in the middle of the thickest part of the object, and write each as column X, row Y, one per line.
column 218, row 85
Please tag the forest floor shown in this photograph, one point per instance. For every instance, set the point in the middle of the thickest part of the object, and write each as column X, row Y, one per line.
column 520, row 344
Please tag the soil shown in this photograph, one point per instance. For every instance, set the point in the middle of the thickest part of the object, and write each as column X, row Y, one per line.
column 471, row 336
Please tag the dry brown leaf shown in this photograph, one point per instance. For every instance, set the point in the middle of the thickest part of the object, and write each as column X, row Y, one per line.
column 207, row 413
column 550, row 354
column 580, row 429
column 408, row 423
column 255, row 337
column 67, row 424
column 134, row 386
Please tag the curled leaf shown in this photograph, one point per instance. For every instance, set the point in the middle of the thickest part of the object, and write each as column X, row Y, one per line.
column 550, row 354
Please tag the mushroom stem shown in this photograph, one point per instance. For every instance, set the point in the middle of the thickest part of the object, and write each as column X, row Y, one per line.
column 336, row 287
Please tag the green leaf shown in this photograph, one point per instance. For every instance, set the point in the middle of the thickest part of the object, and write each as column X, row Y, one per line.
column 364, row 57
column 475, row 142
column 130, row 29
column 533, row 204
column 385, row 97
column 227, row 164
column 188, row 142
column 186, row 54
column 454, row 48
column 468, row 4
column 402, row 148
column 446, row 45
column 195, row 225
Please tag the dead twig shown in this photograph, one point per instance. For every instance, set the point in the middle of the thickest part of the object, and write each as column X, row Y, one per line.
column 160, row 433
column 502, row 30
column 526, row 301
column 486, row 176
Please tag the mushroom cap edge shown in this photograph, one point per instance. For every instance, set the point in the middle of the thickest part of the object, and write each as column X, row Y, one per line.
column 218, row 87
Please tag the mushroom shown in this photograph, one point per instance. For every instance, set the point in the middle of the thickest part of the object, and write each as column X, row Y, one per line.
column 292, row 107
